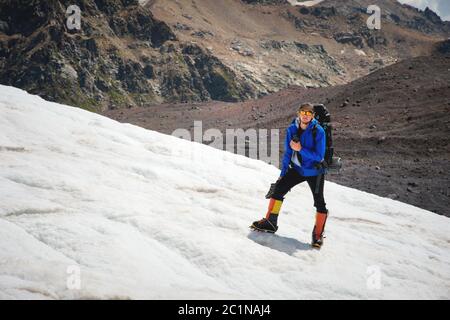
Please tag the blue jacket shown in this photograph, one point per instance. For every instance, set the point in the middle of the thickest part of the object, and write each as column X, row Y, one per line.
column 312, row 152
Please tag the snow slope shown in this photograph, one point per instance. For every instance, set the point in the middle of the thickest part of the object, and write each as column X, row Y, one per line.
column 147, row 215
column 305, row 3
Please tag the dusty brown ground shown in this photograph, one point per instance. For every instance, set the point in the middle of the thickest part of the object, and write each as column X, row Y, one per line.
column 394, row 133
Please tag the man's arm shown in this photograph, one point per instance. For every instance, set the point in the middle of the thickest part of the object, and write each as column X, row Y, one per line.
column 287, row 153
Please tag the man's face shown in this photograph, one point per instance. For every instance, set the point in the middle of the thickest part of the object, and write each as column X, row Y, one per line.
column 305, row 116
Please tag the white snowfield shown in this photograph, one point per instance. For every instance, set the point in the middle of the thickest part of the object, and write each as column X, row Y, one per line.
column 305, row 3
column 91, row 208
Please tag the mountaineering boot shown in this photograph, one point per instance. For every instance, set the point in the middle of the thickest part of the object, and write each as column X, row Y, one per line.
column 269, row 223
column 319, row 227
column 264, row 225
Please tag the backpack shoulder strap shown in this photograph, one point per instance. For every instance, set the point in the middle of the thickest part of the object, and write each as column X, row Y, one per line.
column 314, row 132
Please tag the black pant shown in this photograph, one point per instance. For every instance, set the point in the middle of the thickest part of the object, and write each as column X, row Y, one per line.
column 293, row 178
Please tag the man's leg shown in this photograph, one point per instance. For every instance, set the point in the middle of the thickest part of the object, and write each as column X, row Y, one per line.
column 316, row 184
column 286, row 183
column 269, row 223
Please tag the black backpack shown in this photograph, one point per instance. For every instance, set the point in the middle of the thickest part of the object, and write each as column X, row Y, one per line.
column 331, row 163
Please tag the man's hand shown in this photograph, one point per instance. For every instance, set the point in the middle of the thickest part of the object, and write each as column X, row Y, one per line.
column 296, row 146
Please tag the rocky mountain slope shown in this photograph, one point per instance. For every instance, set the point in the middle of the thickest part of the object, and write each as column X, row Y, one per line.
column 130, row 54
column 274, row 44
column 121, row 57
column 392, row 127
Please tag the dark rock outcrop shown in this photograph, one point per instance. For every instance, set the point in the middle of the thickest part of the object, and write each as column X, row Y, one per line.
column 432, row 16
column 139, row 24
column 193, row 74
column 266, row 2
column 346, row 37
column 320, row 12
column 444, row 47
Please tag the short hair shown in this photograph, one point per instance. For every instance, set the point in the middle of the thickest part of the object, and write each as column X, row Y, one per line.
column 306, row 107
